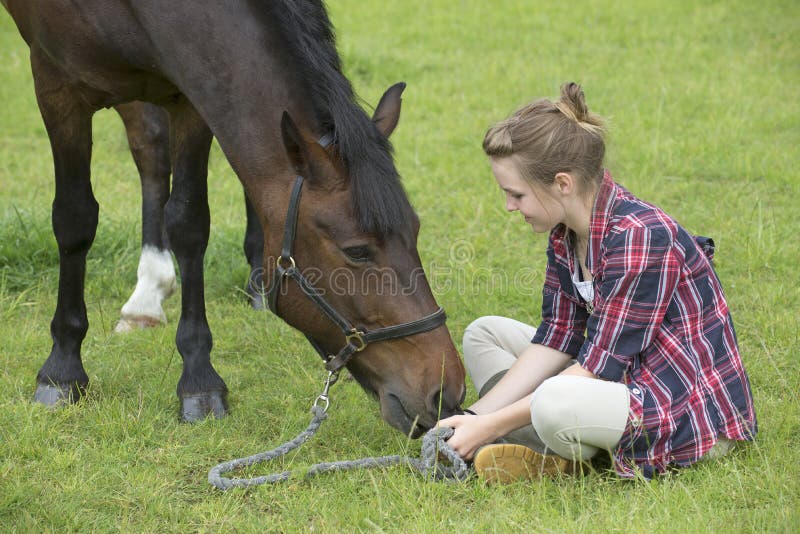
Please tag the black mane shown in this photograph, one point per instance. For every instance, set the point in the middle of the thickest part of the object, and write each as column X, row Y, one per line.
column 378, row 199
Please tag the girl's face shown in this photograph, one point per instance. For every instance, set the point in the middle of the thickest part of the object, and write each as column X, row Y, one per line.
column 539, row 207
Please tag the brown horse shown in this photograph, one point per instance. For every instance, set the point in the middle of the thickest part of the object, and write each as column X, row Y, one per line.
column 264, row 78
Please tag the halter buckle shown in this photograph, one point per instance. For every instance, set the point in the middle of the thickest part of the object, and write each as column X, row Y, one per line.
column 356, row 338
column 279, row 263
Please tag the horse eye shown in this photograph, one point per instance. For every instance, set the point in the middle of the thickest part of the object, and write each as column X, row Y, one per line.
column 359, row 253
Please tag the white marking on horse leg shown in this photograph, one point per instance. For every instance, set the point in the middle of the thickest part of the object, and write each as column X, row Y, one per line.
column 155, row 283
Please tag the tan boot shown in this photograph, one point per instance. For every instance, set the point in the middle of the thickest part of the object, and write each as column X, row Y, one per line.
column 507, row 462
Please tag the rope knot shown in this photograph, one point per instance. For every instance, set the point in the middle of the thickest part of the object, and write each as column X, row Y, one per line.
column 438, row 460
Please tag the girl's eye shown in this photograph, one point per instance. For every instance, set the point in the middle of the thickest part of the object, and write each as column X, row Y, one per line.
column 359, row 253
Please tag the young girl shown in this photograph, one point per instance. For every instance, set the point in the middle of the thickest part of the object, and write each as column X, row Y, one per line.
column 636, row 352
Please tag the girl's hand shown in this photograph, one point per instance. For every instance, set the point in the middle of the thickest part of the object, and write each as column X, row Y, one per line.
column 470, row 433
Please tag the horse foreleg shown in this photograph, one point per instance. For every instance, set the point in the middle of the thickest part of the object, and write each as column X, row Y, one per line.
column 74, row 215
column 147, row 127
column 200, row 389
column 254, row 252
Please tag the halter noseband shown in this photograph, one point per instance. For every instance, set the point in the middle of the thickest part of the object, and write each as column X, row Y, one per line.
column 356, row 339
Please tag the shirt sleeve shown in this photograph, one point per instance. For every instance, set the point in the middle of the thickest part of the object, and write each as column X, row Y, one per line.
column 640, row 273
column 563, row 319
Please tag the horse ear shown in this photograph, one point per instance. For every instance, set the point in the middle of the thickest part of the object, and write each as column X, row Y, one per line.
column 387, row 114
column 309, row 160
column 294, row 144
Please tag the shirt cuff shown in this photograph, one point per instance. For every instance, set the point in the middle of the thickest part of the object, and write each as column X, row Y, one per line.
column 557, row 338
column 603, row 363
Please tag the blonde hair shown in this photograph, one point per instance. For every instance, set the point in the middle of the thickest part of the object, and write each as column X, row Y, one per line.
column 547, row 137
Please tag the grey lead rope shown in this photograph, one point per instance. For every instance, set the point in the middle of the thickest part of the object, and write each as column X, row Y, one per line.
column 429, row 464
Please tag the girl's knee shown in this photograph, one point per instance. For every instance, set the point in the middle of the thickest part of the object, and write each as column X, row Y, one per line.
column 552, row 412
column 477, row 333
column 480, row 328
column 551, row 405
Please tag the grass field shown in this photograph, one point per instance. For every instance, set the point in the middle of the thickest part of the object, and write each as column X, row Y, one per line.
column 702, row 99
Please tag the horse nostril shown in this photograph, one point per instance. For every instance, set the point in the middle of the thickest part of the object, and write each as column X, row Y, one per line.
column 435, row 404
column 439, row 405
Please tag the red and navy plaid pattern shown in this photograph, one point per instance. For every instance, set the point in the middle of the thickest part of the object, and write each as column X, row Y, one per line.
column 659, row 323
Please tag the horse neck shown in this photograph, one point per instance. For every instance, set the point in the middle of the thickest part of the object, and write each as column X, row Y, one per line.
column 238, row 76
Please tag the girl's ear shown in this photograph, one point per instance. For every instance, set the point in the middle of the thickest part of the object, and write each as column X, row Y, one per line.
column 565, row 183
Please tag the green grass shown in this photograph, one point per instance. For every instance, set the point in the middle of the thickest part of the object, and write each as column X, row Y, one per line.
column 704, row 114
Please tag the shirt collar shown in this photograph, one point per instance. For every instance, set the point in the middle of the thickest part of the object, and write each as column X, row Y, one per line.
column 601, row 217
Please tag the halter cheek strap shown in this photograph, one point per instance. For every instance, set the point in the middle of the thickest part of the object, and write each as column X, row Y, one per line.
column 356, row 339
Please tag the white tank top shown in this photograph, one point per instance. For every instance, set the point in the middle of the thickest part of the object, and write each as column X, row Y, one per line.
column 585, row 289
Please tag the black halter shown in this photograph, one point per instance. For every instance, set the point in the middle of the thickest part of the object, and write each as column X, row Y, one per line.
column 356, row 339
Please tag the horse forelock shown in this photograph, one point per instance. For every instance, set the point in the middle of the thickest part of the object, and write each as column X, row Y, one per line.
column 378, row 199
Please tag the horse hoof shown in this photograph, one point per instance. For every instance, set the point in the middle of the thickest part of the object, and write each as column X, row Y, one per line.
column 197, row 407
column 256, row 290
column 257, row 302
column 55, row 395
column 129, row 324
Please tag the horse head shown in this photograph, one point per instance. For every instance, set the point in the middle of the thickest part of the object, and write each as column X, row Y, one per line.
column 371, row 277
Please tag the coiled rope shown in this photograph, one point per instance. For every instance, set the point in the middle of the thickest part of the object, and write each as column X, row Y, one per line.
column 432, row 463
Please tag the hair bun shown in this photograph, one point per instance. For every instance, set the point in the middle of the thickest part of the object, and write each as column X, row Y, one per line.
column 572, row 96
column 573, row 104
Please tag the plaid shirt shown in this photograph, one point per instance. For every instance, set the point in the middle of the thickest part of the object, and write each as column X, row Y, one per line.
column 659, row 323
